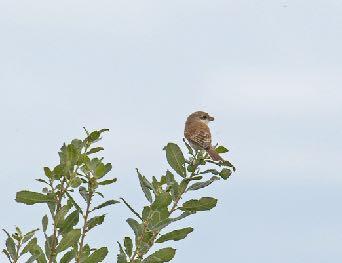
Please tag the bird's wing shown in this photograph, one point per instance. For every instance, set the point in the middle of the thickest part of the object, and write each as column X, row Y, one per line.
column 200, row 135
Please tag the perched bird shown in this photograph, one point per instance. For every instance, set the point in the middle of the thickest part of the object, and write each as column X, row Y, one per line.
column 198, row 134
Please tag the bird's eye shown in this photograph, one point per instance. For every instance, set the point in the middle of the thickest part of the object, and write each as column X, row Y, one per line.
column 203, row 117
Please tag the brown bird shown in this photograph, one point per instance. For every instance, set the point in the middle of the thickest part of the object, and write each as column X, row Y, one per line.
column 198, row 134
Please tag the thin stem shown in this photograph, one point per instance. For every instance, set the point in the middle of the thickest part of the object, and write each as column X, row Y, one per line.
column 84, row 228
column 54, row 236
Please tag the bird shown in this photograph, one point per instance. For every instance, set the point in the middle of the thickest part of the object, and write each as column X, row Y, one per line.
column 198, row 134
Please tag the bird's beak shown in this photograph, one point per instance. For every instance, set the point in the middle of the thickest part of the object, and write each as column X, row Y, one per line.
column 211, row 118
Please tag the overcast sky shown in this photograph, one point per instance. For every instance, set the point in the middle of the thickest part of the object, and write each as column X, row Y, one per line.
column 270, row 72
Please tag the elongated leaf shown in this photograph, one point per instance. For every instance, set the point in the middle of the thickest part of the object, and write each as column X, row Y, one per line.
column 162, row 255
column 45, row 221
column 32, row 243
column 109, row 181
column 83, row 192
column 95, row 150
column 30, row 198
column 175, row 235
column 70, row 255
column 10, row 246
column 70, row 239
column 203, row 204
column 95, row 221
column 200, row 185
column 107, row 203
column 102, row 170
column 29, row 235
column 135, row 226
column 175, row 158
column 70, row 221
column 78, row 208
column 121, row 257
column 144, row 187
column 37, row 254
column 128, row 245
column 7, row 255
column 97, row 256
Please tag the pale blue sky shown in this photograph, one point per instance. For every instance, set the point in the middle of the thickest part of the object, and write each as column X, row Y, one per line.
column 269, row 71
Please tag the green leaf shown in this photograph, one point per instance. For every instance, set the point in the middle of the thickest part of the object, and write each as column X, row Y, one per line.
column 37, row 254
column 70, row 221
column 30, row 198
column 48, row 172
column 162, row 255
column 70, row 255
column 212, row 171
column 32, row 243
column 144, row 186
column 175, row 158
column 225, row 173
column 107, row 203
column 97, row 256
column 203, row 204
column 78, row 208
column 175, row 235
column 121, row 258
column 75, row 182
column 29, row 235
column 128, row 245
column 93, row 136
column 10, row 246
column 110, row 181
column 200, row 185
column 102, row 169
column 221, row 149
column 95, row 221
column 135, row 226
column 45, row 221
column 162, row 200
column 70, row 239
column 59, row 219
column 95, row 150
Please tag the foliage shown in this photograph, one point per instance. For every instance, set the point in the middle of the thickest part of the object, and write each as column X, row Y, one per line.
column 165, row 206
column 79, row 173
column 69, row 189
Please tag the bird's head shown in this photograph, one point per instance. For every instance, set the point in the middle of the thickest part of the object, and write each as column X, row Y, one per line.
column 200, row 116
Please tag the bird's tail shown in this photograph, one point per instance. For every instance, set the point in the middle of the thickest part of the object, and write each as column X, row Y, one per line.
column 214, row 155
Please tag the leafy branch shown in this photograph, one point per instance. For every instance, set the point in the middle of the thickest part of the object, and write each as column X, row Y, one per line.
column 164, row 197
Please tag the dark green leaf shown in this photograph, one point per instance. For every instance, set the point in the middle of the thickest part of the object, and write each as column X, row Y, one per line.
column 70, row 239
column 10, row 246
column 59, row 218
column 175, row 158
column 95, row 221
column 45, row 221
column 7, row 255
column 48, row 172
column 110, row 181
column 97, row 256
column 225, row 173
column 144, row 186
column 135, row 226
column 128, row 245
column 29, row 235
column 203, row 204
column 95, row 150
column 162, row 255
column 30, row 198
column 200, row 185
column 70, row 255
column 78, row 208
column 121, row 258
column 190, row 150
column 32, row 243
column 75, row 182
column 175, row 235
column 162, row 200
column 70, row 221
column 107, row 203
